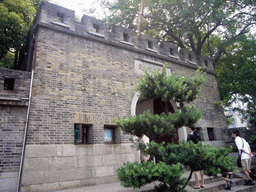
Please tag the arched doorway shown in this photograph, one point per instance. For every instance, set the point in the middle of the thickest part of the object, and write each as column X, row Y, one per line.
column 155, row 107
column 160, row 107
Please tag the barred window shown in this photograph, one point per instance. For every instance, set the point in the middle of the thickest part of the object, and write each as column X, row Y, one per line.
column 81, row 133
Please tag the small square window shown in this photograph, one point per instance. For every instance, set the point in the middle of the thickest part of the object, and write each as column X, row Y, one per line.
column 60, row 17
column 125, row 37
column 150, row 45
column 206, row 63
column 171, row 51
column 109, row 134
column 9, row 84
column 81, row 133
column 210, row 134
column 190, row 57
column 96, row 28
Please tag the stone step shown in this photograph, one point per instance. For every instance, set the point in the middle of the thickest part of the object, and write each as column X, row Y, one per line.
column 241, row 188
column 216, row 185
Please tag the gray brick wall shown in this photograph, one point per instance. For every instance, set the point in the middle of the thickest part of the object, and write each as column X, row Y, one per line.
column 88, row 78
column 11, row 137
column 13, row 107
column 78, row 72
column 21, row 85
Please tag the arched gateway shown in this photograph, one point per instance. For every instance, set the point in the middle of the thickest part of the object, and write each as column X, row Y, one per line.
column 156, row 106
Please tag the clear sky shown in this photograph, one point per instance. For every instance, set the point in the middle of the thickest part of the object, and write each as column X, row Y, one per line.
column 79, row 5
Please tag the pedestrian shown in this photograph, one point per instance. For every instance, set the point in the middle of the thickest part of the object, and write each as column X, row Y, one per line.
column 145, row 140
column 226, row 176
column 246, row 155
column 194, row 136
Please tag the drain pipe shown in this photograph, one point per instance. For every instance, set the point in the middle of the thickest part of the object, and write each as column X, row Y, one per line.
column 25, row 132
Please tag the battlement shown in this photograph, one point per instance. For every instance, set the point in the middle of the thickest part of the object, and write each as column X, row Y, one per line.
column 61, row 17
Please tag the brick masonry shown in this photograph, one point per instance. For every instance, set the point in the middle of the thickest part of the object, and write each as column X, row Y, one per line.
column 13, row 107
column 86, row 77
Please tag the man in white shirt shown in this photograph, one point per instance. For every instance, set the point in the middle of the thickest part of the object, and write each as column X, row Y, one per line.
column 244, row 148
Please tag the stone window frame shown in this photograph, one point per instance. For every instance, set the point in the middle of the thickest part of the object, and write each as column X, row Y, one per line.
column 113, row 129
column 150, row 44
column 9, row 84
column 171, row 51
column 83, row 133
column 126, row 37
column 210, row 131
column 206, row 63
column 96, row 28
column 60, row 17
column 190, row 58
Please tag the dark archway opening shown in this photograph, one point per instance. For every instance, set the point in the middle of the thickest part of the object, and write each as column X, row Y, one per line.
column 160, row 107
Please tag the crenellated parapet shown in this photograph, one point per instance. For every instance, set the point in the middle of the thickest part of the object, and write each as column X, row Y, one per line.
column 63, row 18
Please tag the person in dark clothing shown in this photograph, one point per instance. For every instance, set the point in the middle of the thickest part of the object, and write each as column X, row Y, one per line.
column 226, row 176
column 194, row 136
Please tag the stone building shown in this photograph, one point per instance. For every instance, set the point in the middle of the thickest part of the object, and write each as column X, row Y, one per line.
column 78, row 77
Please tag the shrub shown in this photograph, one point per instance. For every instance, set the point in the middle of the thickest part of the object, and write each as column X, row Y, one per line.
column 136, row 175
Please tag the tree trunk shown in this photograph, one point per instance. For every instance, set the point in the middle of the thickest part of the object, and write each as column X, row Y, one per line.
column 16, row 59
column 140, row 16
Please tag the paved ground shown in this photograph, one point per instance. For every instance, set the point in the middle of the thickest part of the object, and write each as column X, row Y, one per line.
column 116, row 187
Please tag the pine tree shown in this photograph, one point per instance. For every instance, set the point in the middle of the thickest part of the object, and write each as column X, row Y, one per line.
column 170, row 158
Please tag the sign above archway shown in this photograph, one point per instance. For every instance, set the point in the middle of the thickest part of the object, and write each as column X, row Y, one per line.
column 149, row 65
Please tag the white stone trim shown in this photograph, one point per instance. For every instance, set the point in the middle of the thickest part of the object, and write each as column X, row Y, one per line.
column 134, row 103
column 174, row 57
column 60, row 24
column 10, row 98
column 192, row 62
column 149, row 65
column 96, row 34
column 152, row 50
column 151, row 61
column 127, row 43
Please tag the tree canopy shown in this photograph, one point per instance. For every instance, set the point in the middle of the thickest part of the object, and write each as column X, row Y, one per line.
column 186, row 23
column 236, row 71
column 16, row 17
column 216, row 28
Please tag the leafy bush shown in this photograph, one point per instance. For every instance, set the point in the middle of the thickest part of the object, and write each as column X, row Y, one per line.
column 169, row 159
column 195, row 156
column 136, row 175
column 252, row 139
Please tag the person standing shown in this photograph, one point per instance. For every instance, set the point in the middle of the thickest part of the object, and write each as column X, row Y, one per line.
column 246, row 155
column 194, row 136
column 145, row 140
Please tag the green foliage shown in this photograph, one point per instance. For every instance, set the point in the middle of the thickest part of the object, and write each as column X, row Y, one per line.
column 215, row 28
column 252, row 140
column 8, row 60
column 236, row 76
column 186, row 23
column 16, row 17
column 169, row 159
column 181, row 89
column 195, row 156
column 159, row 125
column 136, row 175
column 154, row 85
